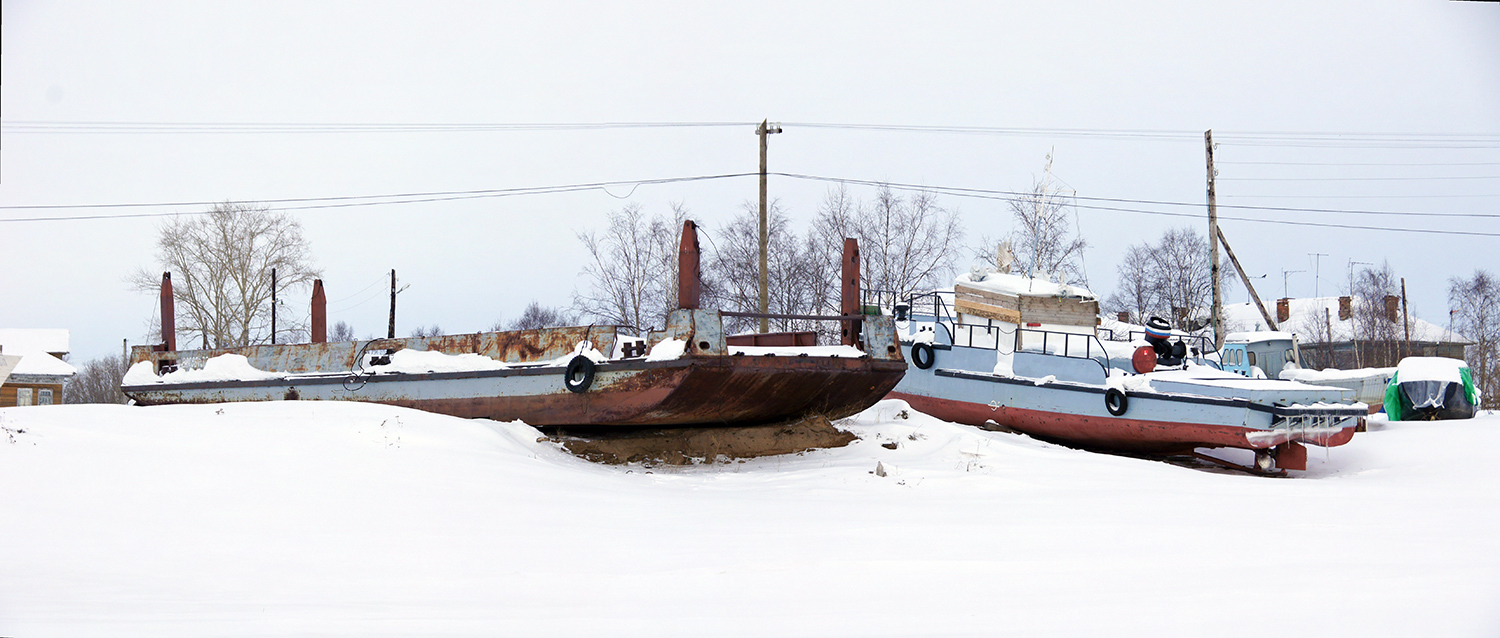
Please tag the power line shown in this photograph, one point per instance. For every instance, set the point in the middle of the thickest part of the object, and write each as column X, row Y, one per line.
column 1018, row 131
column 347, row 201
column 1443, row 195
column 38, row 126
column 1246, row 138
column 1010, row 195
column 993, row 194
column 1361, row 163
column 1353, row 179
column 1005, row 194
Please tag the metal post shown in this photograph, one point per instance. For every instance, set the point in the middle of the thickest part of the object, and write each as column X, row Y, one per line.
column 273, row 306
column 390, row 331
column 1213, row 244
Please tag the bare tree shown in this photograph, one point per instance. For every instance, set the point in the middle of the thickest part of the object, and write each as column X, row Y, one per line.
column 1135, row 294
column 221, row 266
column 1043, row 236
column 1171, row 279
column 538, row 316
column 98, row 381
column 341, row 332
column 423, row 332
column 632, row 267
column 734, row 269
column 1316, row 330
column 1474, row 305
column 907, row 243
column 1376, row 333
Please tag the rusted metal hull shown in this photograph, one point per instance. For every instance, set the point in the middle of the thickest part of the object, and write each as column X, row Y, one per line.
column 687, row 391
column 708, row 384
column 583, row 375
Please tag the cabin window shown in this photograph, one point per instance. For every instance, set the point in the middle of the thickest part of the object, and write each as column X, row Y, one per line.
column 44, row 396
column 23, row 396
column 1252, row 357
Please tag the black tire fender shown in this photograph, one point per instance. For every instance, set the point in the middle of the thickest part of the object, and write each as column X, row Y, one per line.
column 1115, row 401
column 580, row 374
column 923, row 355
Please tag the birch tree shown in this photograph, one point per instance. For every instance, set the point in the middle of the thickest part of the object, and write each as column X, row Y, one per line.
column 1044, row 240
column 1474, row 305
column 221, row 266
column 632, row 268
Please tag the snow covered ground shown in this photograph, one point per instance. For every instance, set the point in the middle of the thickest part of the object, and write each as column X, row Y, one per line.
column 309, row 519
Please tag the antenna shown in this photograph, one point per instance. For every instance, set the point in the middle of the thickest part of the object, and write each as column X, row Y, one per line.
column 1316, row 262
column 1284, row 273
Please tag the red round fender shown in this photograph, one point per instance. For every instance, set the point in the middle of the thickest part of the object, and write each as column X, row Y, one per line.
column 1144, row 359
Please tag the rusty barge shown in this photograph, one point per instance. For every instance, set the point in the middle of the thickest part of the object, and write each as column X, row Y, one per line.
column 688, row 373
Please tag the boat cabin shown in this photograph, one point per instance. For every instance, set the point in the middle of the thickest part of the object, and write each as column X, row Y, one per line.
column 1259, row 354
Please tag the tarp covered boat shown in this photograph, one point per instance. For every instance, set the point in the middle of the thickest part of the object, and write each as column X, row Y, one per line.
column 688, row 373
column 1431, row 388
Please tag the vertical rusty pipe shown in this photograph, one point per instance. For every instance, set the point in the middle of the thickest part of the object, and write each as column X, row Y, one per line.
column 319, row 313
column 689, row 286
column 849, row 292
column 168, row 314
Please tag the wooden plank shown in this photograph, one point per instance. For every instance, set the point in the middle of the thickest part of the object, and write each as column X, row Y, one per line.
column 986, row 296
column 986, row 310
column 1055, row 310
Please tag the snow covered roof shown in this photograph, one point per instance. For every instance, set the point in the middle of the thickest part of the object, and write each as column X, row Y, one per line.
column 35, row 346
column 1262, row 335
column 1018, row 285
column 24, row 340
column 42, row 363
column 1304, row 312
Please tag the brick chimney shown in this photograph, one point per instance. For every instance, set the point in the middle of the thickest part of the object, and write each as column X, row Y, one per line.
column 1122, row 317
column 1344, row 308
column 1283, row 309
column 1392, row 308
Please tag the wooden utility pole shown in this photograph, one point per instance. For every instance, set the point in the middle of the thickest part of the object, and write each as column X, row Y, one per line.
column 390, row 331
column 273, row 306
column 765, row 128
column 1405, row 320
column 1213, row 244
column 1241, row 270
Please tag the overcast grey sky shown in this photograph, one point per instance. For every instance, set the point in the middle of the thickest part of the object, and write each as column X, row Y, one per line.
column 1267, row 77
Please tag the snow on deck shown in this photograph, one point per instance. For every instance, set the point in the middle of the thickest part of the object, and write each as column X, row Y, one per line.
column 1009, row 284
column 848, row 352
column 1429, row 369
column 304, row 518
